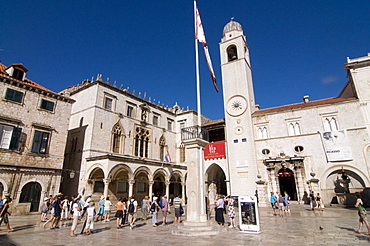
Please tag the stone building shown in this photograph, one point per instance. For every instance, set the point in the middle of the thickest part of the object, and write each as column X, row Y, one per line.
column 33, row 132
column 320, row 146
column 122, row 144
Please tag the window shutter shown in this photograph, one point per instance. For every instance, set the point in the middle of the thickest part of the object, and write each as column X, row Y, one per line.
column 15, row 138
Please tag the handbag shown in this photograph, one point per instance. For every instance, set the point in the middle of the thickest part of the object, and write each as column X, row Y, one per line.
column 181, row 209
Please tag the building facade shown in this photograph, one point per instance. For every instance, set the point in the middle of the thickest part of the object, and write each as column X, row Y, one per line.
column 33, row 132
column 121, row 144
column 320, row 146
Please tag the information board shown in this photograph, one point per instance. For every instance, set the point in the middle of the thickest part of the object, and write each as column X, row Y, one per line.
column 248, row 214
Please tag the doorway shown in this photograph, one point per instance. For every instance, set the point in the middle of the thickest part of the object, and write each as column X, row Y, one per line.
column 31, row 193
column 287, row 183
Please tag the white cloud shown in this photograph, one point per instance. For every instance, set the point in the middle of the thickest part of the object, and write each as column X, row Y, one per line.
column 328, row 80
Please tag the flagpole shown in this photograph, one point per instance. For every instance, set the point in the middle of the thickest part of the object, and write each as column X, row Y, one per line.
column 200, row 153
column 197, row 66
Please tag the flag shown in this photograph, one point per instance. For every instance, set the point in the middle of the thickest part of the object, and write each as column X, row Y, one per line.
column 167, row 156
column 199, row 35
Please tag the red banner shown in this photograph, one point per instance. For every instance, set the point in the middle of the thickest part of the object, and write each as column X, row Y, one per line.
column 215, row 150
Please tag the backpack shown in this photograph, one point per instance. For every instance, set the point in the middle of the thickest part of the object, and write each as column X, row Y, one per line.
column 160, row 204
column 54, row 204
column 152, row 208
column 131, row 207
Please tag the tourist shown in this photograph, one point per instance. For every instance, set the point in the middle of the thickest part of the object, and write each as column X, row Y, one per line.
column 313, row 203
column 107, row 209
column 57, row 211
column 132, row 209
column 76, row 208
column 281, row 205
column 119, row 213
column 164, row 209
column 178, row 209
column 286, row 202
column 65, row 207
column 220, row 211
column 154, row 208
column 145, row 207
column 273, row 201
column 44, row 209
column 362, row 214
column 124, row 219
column 4, row 213
column 320, row 203
column 101, row 209
column 231, row 211
column 90, row 213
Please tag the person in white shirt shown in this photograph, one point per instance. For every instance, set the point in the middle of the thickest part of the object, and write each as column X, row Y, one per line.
column 90, row 218
column 76, row 214
column 107, row 209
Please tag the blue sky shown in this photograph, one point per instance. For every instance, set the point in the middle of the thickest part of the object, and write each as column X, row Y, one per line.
column 297, row 48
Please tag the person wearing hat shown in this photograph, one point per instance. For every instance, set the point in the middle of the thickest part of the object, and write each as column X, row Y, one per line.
column 90, row 213
column 76, row 214
column 57, row 205
column 154, row 208
column 44, row 209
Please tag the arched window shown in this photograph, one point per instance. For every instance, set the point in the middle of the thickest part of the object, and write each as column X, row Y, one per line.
column 294, row 129
column 232, row 53
column 162, row 144
column 117, row 139
column 262, row 132
column 182, row 153
column 330, row 124
column 141, row 142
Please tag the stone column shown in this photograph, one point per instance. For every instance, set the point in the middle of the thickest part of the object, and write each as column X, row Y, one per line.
column 130, row 187
column 183, row 192
column 300, row 184
column 194, row 186
column 274, row 186
column 262, row 193
column 151, row 182
column 106, row 187
column 167, row 183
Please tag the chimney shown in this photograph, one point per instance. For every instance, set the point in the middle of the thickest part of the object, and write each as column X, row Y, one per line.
column 305, row 98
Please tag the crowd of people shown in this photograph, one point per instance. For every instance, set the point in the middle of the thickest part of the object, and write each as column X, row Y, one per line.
column 220, row 210
column 280, row 203
column 84, row 210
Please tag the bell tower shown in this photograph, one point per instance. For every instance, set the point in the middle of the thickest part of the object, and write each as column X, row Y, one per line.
column 239, row 105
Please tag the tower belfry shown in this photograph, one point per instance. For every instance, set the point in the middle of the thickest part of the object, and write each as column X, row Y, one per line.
column 239, row 105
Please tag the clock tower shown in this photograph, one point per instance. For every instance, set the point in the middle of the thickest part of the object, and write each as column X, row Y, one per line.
column 239, row 105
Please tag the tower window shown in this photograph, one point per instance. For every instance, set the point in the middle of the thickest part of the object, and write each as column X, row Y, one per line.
column 298, row 149
column 232, row 53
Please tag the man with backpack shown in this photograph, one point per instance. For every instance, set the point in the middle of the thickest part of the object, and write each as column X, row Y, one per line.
column 132, row 208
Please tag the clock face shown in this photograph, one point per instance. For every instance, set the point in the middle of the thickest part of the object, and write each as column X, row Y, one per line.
column 236, row 105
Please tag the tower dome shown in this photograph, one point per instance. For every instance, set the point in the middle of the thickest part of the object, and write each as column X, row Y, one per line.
column 231, row 26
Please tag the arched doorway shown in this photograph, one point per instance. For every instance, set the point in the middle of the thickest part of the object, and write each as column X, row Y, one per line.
column 141, row 186
column 159, row 185
column 175, row 185
column 119, row 184
column 287, row 183
column 216, row 180
column 96, row 180
column 31, row 193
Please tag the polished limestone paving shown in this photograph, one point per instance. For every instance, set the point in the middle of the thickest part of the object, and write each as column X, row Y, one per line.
column 334, row 226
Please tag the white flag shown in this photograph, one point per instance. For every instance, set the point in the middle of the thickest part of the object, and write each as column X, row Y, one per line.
column 199, row 35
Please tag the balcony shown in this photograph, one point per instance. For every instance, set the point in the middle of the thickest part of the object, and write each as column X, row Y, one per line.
column 194, row 132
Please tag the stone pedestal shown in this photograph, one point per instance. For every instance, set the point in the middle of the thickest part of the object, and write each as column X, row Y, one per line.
column 196, row 223
column 262, row 193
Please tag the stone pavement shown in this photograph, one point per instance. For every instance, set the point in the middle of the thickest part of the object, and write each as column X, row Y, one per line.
column 301, row 227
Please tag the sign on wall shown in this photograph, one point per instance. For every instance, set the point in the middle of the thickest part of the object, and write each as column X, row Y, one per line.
column 336, row 146
column 215, row 150
column 248, row 214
